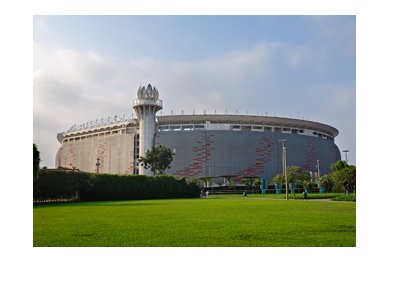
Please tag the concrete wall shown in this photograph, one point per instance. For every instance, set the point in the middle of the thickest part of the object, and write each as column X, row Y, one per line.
column 205, row 153
column 115, row 152
column 215, row 153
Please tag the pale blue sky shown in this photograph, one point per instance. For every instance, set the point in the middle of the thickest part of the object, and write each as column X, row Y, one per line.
column 88, row 67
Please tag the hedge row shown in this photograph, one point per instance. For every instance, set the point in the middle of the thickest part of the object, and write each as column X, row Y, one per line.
column 348, row 198
column 58, row 185
column 271, row 189
column 61, row 185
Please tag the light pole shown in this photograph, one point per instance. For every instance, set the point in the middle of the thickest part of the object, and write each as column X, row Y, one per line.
column 284, row 167
column 98, row 165
column 345, row 153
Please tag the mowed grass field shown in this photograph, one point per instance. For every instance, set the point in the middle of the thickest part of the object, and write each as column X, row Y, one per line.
column 214, row 221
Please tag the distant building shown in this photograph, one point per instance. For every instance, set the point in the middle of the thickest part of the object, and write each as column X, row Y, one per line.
column 204, row 145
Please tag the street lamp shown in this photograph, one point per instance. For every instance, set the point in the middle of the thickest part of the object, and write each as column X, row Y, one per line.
column 345, row 153
column 98, row 164
column 284, row 167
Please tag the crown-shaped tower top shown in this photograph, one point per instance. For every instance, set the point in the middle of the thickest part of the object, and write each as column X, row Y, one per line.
column 147, row 93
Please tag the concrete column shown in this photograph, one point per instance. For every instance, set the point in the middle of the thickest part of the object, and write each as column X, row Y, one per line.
column 147, row 125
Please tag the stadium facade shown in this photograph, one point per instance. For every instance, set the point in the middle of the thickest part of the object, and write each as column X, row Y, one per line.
column 207, row 145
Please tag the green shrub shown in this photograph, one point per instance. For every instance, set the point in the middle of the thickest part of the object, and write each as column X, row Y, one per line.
column 59, row 185
column 349, row 198
column 315, row 196
column 56, row 185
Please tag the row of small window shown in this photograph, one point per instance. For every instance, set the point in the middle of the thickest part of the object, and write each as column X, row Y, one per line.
column 321, row 135
column 121, row 131
column 181, row 127
column 266, row 128
column 234, row 127
column 244, row 128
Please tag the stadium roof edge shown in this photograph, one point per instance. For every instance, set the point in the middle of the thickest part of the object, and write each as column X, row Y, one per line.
column 249, row 119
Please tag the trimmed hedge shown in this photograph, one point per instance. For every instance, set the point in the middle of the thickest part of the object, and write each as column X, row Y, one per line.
column 61, row 185
column 58, row 185
column 349, row 198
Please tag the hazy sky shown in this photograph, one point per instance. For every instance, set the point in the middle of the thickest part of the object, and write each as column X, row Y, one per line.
column 89, row 67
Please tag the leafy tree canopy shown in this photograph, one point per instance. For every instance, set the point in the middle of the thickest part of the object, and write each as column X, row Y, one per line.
column 279, row 179
column 338, row 165
column 341, row 176
column 296, row 174
column 342, row 173
column 158, row 159
column 326, row 182
column 250, row 182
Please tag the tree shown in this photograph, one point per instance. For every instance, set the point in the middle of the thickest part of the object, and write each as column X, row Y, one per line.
column 307, row 185
column 279, row 179
column 231, row 184
column 36, row 161
column 326, row 182
column 341, row 174
column 350, row 175
column 158, row 159
column 338, row 165
column 249, row 182
column 296, row 174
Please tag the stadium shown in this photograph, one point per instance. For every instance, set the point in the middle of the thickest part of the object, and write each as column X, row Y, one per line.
column 204, row 145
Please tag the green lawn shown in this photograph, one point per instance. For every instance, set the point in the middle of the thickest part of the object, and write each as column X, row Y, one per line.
column 218, row 221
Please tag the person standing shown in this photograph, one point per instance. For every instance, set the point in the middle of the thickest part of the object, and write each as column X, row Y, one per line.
column 305, row 194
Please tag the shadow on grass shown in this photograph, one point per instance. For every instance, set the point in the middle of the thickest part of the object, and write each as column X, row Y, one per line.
column 97, row 204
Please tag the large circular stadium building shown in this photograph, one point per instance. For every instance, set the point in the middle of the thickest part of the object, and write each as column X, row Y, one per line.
column 204, row 145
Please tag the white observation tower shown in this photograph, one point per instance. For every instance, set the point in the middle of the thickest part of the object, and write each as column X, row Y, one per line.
column 146, row 106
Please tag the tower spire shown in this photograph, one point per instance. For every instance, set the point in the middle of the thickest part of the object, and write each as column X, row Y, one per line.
column 146, row 106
